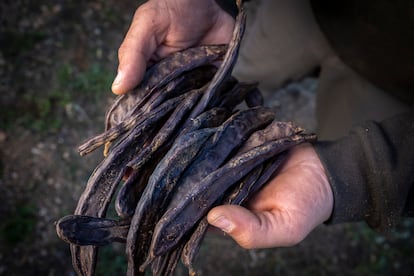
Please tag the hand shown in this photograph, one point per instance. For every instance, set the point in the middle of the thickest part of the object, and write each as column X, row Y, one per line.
column 161, row 27
column 286, row 210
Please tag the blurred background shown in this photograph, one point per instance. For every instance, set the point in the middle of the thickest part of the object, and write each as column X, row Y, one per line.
column 57, row 62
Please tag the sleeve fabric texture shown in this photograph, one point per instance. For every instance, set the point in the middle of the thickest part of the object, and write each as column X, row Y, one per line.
column 371, row 172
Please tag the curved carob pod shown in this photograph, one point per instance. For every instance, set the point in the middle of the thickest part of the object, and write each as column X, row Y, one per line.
column 160, row 185
column 192, row 244
column 166, row 264
column 224, row 71
column 131, row 190
column 275, row 130
column 179, row 219
column 87, row 230
column 179, row 62
column 211, row 118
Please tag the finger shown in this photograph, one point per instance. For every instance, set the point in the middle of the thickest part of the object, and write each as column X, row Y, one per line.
column 256, row 230
column 136, row 50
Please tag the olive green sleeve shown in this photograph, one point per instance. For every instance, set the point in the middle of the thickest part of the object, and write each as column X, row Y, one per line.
column 371, row 172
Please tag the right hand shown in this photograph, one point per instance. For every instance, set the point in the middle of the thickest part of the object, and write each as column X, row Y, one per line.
column 161, row 27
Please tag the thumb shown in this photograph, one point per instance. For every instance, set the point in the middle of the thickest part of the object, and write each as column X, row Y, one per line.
column 244, row 226
column 135, row 51
column 255, row 229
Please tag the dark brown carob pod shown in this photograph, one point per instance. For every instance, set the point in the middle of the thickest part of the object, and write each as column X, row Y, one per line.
column 226, row 66
column 87, row 230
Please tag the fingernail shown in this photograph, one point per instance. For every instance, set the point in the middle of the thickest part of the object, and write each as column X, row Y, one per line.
column 118, row 79
column 223, row 223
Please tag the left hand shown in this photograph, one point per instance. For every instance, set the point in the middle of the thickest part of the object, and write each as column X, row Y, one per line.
column 286, row 210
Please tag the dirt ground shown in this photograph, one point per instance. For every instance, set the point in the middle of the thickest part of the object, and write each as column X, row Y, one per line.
column 57, row 61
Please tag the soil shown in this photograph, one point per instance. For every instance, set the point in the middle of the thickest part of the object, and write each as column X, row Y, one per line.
column 57, row 61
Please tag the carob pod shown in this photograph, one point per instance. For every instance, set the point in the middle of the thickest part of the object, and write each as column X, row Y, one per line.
column 273, row 131
column 192, row 244
column 226, row 66
column 213, row 117
column 131, row 190
column 178, row 220
column 166, row 264
column 87, row 230
column 103, row 181
column 229, row 137
column 160, row 185
column 179, row 62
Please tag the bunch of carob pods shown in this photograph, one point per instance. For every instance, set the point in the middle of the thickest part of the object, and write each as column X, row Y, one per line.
column 174, row 147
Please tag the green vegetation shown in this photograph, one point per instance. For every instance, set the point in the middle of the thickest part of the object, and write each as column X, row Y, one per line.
column 111, row 262
column 13, row 42
column 91, row 83
column 382, row 252
column 44, row 111
column 18, row 227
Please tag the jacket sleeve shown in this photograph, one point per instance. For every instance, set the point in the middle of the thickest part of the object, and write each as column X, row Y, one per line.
column 371, row 172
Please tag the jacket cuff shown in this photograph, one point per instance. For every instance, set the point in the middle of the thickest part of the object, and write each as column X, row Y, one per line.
column 350, row 201
column 370, row 172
